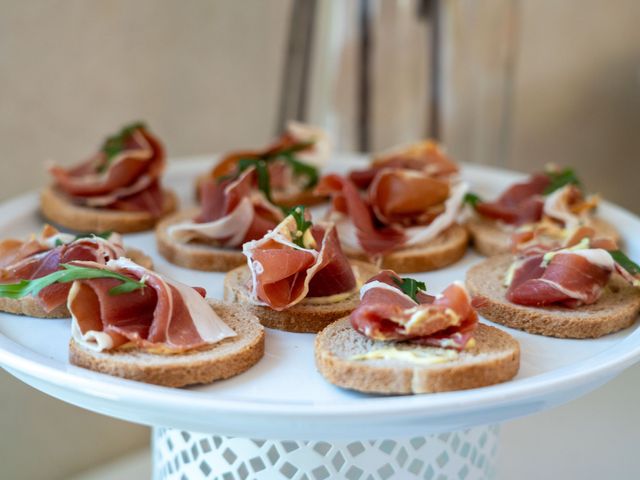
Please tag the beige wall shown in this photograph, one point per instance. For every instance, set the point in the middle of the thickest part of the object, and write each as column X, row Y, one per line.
column 205, row 75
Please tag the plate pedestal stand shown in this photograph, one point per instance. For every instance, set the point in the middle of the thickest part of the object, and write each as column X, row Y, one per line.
column 466, row 455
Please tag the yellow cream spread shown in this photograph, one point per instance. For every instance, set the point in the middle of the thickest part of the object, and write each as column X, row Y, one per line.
column 421, row 356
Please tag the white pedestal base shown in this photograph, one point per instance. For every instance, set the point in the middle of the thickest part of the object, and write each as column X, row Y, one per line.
column 467, row 455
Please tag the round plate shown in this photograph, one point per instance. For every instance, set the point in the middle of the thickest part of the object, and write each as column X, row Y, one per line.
column 283, row 396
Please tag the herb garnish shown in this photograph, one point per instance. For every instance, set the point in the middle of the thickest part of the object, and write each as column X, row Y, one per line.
column 410, row 286
column 560, row 179
column 115, row 144
column 69, row 273
column 288, row 155
column 104, row 235
column 262, row 172
column 472, row 199
column 302, row 225
column 625, row 262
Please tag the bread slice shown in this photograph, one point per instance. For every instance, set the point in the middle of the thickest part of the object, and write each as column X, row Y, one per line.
column 306, row 316
column 56, row 208
column 287, row 200
column 446, row 249
column 224, row 359
column 31, row 306
column 490, row 238
column 197, row 256
column 616, row 309
column 494, row 358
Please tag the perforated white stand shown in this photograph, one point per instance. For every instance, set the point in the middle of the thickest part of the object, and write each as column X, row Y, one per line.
column 466, row 455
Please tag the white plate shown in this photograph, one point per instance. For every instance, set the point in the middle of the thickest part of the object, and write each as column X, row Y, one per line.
column 283, row 396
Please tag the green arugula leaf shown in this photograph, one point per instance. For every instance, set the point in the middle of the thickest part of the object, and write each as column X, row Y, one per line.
column 262, row 170
column 295, row 148
column 625, row 262
column 114, row 144
column 560, row 179
column 410, row 286
column 69, row 273
column 302, row 225
column 472, row 199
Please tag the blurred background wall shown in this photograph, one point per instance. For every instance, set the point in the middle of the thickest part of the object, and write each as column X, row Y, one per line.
column 206, row 76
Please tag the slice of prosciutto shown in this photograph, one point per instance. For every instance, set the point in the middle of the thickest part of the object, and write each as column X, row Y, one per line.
column 426, row 157
column 570, row 278
column 283, row 273
column 164, row 316
column 312, row 146
column 123, row 175
column 39, row 256
column 519, row 204
column 386, row 313
column 401, row 208
column 234, row 211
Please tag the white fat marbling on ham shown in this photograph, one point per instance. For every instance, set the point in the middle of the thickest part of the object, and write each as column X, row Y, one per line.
column 318, row 155
column 229, row 230
column 557, row 206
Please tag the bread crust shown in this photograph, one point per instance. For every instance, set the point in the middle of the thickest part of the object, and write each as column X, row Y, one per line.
column 196, row 256
column 446, row 249
column 31, row 306
column 616, row 309
column 57, row 208
column 490, row 238
column 224, row 359
column 301, row 318
column 494, row 358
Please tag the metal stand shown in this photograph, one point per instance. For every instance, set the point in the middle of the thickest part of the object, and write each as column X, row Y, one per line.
column 467, row 455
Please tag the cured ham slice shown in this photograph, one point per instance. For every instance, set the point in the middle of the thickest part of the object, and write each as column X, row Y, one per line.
column 570, row 278
column 40, row 256
column 519, row 204
column 347, row 201
column 164, row 315
column 426, row 157
column 233, row 212
column 284, row 273
column 310, row 145
column 386, row 313
column 123, row 175
column 396, row 196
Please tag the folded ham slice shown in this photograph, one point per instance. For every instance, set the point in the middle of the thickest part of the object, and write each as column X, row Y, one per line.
column 42, row 255
column 311, row 145
column 386, row 313
column 284, row 273
column 572, row 274
column 570, row 278
column 426, row 156
column 519, row 204
column 123, row 175
column 234, row 211
column 165, row 315
column 402, row 208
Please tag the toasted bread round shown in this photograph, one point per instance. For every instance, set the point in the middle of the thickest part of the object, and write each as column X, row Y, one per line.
column 197, row 256
column 287, row 200
column 446, row 249
column 616, row 309
column 494, row 358
column 31, row 306
column 224, row 359
column 56, row 208
column 490, row 238
column 306, row 316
